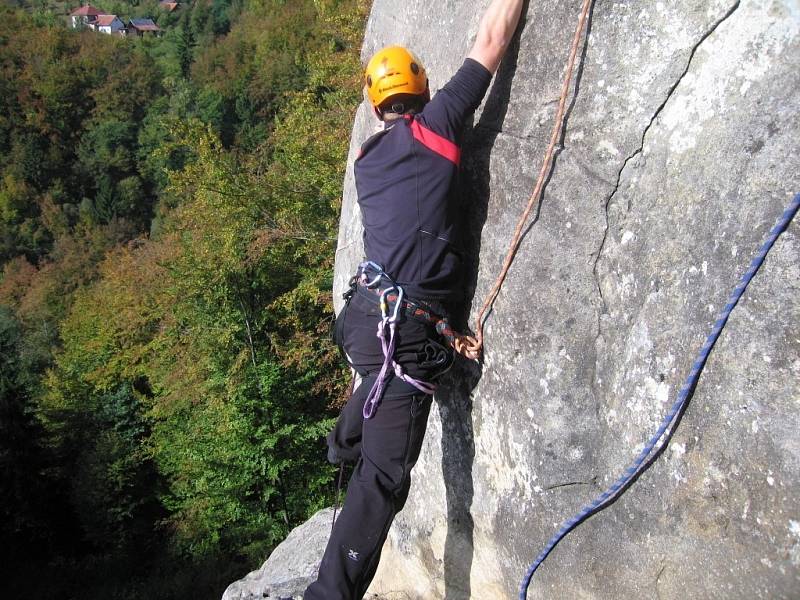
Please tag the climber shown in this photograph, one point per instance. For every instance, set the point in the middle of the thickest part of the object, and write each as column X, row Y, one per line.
column 404, row 180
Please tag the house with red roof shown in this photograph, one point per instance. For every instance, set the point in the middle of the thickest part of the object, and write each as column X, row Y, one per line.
column 94, row 18
column 84, row 15
column 108, row 24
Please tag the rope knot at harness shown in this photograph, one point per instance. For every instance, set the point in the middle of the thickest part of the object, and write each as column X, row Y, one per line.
column 468, row 346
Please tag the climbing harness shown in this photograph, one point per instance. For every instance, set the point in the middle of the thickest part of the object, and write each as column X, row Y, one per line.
column 387, row 326
column 410, row 308
column 673, row 416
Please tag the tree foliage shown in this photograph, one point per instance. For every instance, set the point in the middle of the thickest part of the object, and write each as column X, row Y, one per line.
column 168, row 210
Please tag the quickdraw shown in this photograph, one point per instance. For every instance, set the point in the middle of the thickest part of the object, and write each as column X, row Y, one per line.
column 387, row 326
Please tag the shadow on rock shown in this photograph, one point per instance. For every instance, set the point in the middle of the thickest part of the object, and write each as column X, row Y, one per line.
column 455, row 396
column 458, row 455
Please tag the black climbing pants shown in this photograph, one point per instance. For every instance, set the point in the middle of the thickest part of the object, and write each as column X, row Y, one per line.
column 385, row 449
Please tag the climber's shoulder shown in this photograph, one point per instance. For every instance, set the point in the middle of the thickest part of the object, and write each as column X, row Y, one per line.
column 447, row 112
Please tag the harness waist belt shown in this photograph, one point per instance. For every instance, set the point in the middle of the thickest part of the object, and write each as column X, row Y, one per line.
column 387, row 326
column 412, row 308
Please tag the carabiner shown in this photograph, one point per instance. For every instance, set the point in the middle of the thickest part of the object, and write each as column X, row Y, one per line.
column 384, row 303
column 363, row 268
column 397, row 305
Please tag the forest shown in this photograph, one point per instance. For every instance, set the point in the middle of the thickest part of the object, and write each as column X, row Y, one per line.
column 168, row 217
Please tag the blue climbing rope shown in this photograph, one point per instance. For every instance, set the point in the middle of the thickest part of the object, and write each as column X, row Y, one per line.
column 675, row 411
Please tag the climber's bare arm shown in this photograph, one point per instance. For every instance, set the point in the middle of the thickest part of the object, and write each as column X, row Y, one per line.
column 495, row 32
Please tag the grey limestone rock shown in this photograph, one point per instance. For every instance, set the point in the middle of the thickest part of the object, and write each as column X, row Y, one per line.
column 291, row 567
column 680, row 151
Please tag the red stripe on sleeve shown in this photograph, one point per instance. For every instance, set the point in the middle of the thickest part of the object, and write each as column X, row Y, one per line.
column 432, row 140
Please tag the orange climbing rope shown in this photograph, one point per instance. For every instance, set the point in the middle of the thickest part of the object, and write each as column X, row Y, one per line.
column 471, row 346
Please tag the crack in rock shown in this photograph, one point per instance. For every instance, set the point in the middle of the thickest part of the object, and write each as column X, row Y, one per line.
column 346, row 246
column 570, row 484
column 640, row 148
column 658, row 579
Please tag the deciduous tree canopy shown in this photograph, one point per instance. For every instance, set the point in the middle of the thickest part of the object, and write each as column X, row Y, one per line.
column 168, row 209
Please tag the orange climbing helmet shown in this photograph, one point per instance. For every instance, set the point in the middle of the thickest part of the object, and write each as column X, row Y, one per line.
column 391, row 71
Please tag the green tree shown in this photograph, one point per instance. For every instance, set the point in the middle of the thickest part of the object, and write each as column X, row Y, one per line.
column 182, row 380
column 29, row 500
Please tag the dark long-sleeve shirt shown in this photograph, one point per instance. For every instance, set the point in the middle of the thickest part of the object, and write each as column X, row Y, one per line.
column 404, row 179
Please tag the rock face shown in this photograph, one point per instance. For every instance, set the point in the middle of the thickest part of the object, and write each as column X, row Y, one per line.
column 680, row 151
column 291, row 567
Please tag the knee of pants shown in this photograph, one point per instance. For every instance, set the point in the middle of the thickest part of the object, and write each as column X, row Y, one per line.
column 344, row 441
